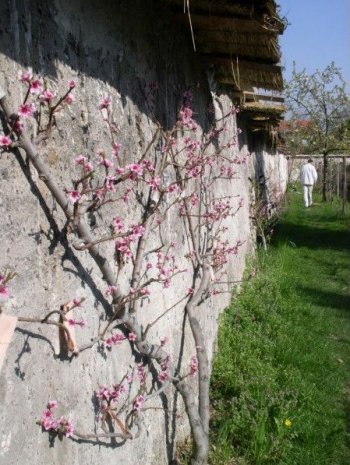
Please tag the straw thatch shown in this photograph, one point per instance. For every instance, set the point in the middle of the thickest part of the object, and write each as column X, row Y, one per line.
column 259, row 108
column 239, row 39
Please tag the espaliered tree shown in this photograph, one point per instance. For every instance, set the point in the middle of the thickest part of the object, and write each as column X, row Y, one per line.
column 180, row 179
column 319, row 109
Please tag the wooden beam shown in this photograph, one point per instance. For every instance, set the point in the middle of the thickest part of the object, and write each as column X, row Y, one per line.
column 267, row 97
column 233, row 45
column 218, row 7
column 251, row 96
column 246, row 64
column 207, row 22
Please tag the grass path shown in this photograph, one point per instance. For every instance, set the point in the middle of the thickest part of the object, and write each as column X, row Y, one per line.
column 281, row 376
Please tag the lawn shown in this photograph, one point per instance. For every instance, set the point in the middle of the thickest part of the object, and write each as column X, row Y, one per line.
column 281, row 375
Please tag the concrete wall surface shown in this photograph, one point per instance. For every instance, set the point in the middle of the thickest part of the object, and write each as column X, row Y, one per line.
column 116, row 48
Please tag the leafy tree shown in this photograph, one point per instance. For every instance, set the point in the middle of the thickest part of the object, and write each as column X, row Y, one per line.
column 321, row 102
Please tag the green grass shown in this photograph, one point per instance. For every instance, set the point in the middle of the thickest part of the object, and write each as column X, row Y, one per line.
column 284, row 350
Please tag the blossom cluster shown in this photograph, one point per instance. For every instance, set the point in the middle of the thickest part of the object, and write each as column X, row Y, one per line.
column 109, row 396
column 36, row 87
column 74, row 322
column 115, row 339
column 63, row 426
column 164, row 374
column 5, row 141
column 138, row 403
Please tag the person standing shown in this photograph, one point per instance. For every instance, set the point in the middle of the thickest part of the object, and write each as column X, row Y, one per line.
column 308, row 177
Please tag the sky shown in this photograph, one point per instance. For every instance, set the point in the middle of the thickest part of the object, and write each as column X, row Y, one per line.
column 318, row 33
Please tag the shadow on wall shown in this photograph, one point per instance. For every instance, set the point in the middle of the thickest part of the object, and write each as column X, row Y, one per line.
column 128, row 45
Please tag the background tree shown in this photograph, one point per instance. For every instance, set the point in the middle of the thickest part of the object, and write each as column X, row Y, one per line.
column 320, row 102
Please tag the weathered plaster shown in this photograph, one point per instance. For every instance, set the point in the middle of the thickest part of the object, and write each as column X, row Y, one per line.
column 116, row 48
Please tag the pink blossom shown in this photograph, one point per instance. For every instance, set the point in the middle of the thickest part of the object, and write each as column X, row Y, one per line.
column 36, row 87
column 69, row 99
column 148, row 165
column 145, row 291
column 195, row 172
column 116, row 148
column 69, row 428
column 174, row 187
column 110, row 184
column 100, row 193
column 71, row 84
column 5, row 141
column 74, row 196
column 125, row 196
column 141, row 374
column 122, row 245
column 80, row 160
column 120, row 170
column 190, row 291
column 105, row 103
column 163, row 376
column 88, row 167
column 163, row 340
column 154, row 182
column 26, row 110
column 26, row 76
column 138, row 230
column 165, row 363
column 52, row 404
column 110, row 290
column 47, row 413
column 18, row 127
column 115, row 339
column 132, row 337
column 4, row 292
column 193, row 365
column 58, row 425
column 194, row 200
column 103, row 393
column 106, row 163
column 139, row 401
column 47, row 423
column 118, row 224
column 135, row 168
column 149, row 266
column 73, row 322
column 46, row 96
column 83, row 161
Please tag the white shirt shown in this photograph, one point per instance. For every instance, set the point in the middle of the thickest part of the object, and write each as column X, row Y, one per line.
column 308, row 174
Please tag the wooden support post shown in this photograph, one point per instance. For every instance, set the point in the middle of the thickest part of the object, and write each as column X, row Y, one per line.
column 338, row 181
column 325, row 177
column 344, row 185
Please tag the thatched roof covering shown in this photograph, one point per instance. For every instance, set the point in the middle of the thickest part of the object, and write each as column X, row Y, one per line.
column 263, row 109
column 262, row 116
column 238, row 38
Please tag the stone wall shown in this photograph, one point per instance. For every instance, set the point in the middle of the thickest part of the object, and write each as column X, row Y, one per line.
column 116, row 48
